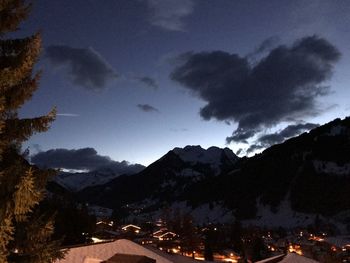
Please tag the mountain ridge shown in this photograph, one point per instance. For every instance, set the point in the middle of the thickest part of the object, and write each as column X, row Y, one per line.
column 310, row 172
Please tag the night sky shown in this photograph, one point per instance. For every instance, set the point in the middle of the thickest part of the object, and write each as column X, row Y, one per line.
column 132, row 79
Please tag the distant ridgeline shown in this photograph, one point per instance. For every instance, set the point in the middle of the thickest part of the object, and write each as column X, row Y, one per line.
column 310, row 172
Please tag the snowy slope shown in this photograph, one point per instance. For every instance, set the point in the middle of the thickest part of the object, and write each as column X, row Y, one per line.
column 331, row 168
column 77, row 181
column 286, row 217
column 203, row 214
column 213, row 156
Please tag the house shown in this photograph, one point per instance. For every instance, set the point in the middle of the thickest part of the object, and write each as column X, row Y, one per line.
column 167, row 236
column 121, row 249
column 104, row 225
column 164, row 234
column 102, row 252
column 159, row 232
column 131, row 228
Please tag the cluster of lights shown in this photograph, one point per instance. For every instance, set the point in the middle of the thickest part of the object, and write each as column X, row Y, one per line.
column 147, row 242
column 344, row 248
column 316, row 238
column 295, row 249
column 175, row 250
column 271, row 248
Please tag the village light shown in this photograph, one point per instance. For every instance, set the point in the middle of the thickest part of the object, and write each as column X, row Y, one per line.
column 290, row 249
column 296, row 249
column 97, row 240
column 230, row 260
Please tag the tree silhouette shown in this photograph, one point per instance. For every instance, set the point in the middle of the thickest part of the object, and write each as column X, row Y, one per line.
column 24, row 230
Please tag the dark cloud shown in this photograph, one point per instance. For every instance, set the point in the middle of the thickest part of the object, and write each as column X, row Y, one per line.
column 265, row 47
column 267, row 44
column 253, row 148
column 239, row 151
column 270, row 139
column 241, row 136
column 82, row 159
column 296, row 129
column 282, row 85
column 148, row 81
column 169, row 14
column 147, row 108
column 86, row 67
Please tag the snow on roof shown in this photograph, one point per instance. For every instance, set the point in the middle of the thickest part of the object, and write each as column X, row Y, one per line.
column 271, row 259
column 105, row 251
column 91, row 260
column 289, row 258
column 295, row 258
column 160, row 232
column 168, row 233
column 133, row 226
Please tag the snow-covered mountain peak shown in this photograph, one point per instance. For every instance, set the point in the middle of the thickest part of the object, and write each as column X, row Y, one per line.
column 78, row 181
column 196, row 154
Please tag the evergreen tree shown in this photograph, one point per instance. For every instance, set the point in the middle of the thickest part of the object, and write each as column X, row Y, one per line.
column 190, row 240
column 24, row 230
column 236, row 236
column 208, row 246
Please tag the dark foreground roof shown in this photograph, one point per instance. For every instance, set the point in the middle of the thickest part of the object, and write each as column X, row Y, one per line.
column 126, row 258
